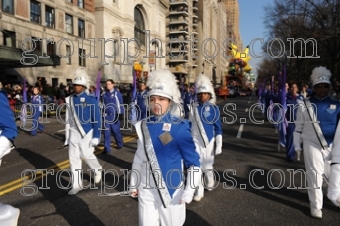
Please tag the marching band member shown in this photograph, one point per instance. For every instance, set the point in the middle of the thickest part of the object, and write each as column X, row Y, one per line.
column 113, row 102
column 84, row 120
column 292, row 101
column 164, row 142
column 141, row 94
column 206, row 130
column 188, row 96
column 8, row 132
column 315, row 126
column 38, row 108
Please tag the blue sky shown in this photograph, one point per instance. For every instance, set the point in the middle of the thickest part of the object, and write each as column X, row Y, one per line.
column 251, row 25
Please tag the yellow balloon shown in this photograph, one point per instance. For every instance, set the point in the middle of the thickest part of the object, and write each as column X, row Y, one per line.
column 248, row 68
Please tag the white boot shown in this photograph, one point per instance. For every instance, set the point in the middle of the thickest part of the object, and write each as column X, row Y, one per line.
column 9, row 215
column 199, row 193
column 317, row 213
column 334, row 185
column 74, row 190
column 98, row 177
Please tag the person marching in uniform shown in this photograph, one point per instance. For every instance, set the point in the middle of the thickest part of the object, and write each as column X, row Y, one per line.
column 206, row 129
column 8, row 132
column 315, row 126
column 37, row 107
column 188, row 96
column 113, row 101
column 141, row 94
column 292, row 101
column 164, row 144
column 83, row 116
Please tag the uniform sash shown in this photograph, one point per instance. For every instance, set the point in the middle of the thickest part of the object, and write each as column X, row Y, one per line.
column 316, row 125
column 76, row 119
column 200, row 127
column 152, row 158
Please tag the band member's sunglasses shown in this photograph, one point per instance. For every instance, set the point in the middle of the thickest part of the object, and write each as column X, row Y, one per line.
column 326, row 86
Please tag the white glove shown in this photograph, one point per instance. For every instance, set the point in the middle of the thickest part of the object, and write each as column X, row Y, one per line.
column 298, row 154
column 193, row 178
column 94, row 142
column 5, row 146
column 334, row 185
column 218, row 149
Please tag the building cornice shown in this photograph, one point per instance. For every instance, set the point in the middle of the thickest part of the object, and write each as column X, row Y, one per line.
column 164, row 4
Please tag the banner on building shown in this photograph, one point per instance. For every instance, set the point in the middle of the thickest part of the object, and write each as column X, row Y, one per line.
column 152, row 58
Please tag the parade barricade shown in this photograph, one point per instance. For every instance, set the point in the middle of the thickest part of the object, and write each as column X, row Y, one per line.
column 26, row 109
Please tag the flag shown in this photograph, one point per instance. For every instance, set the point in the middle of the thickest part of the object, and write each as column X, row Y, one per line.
column 284, row 123
column 133, row 112
column 98, row 86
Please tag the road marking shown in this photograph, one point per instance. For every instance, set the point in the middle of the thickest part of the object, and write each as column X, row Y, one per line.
column 248, row 102
column 18, row 183
column 240, row 131
column 246, row 110
column 61, row 131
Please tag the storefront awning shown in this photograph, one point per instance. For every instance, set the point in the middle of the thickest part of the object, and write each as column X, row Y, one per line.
column 10, row 58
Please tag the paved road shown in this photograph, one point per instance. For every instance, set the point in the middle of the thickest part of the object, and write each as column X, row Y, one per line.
column 249, row 150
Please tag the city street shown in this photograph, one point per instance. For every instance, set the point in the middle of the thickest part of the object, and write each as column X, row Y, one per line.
column 255, row 191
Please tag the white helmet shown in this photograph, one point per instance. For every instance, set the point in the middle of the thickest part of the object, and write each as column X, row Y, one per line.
column 204, row 85
column 320, row 75
column 80, row 77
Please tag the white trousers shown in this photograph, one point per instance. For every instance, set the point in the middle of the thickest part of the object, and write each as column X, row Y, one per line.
column 80, row 148
column 152, row 212
column 207, row 158
column 315, row 163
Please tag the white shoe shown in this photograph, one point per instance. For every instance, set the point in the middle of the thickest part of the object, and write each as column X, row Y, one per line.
column 10, row 218
column 98, row 177
column 74, row 191
column 317, row 213
column 198, row 198
column 210, row 185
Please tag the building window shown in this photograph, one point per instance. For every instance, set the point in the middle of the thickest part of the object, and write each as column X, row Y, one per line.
column 8, row 6
column 36, row 44
column 35, row 12
column 81, row 3
column 9, row 38
column 54, row 82
column 49, row 17
column 50, row 49
column 82, row 58
column 69, row 23
column 139, row 26
column 81, row 28
column 68, row 53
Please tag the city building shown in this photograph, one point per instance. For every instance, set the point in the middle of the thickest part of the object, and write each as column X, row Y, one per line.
column 233, row 23
column 120, row 22
column 182, row 39
column 209, row 45
column 32, row 30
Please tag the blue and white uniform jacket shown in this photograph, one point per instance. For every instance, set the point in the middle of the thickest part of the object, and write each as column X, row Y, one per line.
column 113, row 101
column 327, row 111
column 209, row 115
column 87, row 112
column 170, row 156
column 8, row 127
